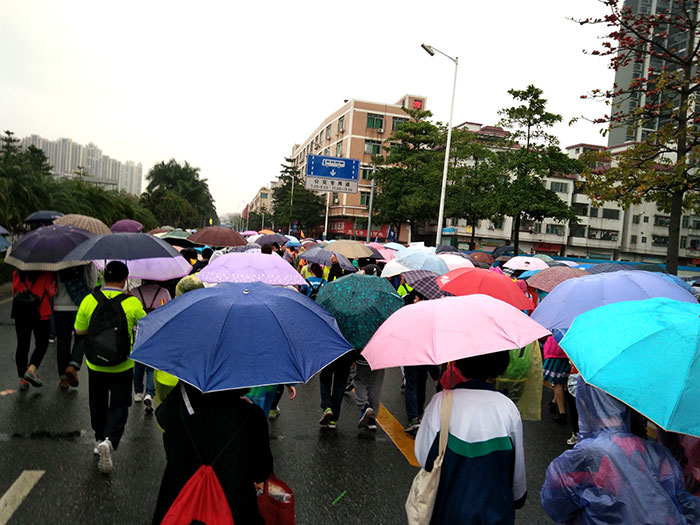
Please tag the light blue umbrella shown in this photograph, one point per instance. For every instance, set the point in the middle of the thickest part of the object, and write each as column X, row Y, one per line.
column 422, row 260
column 646, row 354
column 571, row 298
column 395, row 246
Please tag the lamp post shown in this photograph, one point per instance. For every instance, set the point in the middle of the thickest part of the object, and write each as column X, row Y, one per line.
column 431, row 51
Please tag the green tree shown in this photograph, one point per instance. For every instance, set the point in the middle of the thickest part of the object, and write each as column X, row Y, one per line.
column 662, row 168
column 177, row 195
column 408, row 177
column 303, row 206
column 533, row 154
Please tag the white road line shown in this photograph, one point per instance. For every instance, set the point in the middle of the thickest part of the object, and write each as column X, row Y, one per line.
column 19, row 490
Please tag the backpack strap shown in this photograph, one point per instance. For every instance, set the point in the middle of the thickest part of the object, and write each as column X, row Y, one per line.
column 155, row 296
column 194, row 444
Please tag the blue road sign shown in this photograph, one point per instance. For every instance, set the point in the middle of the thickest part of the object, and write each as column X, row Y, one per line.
column 333, row 167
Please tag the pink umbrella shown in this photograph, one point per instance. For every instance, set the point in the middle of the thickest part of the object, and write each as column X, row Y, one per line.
column 436, row 332
column 455, row 261
column 156, row 268
column 525, row 263
column 126, row 226
column 248, row 267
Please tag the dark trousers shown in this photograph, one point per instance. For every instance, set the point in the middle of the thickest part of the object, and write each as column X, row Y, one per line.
column 278, row 396
column 110, row 399
column 571, row 409
column 65, row 321
column 334, row 379
column 24, row 329
column 416, row 378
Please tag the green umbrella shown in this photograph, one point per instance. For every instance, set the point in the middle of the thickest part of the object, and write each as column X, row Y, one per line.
column 360, row 304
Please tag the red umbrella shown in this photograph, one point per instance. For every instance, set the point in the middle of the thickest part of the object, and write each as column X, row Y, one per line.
column 217, row 236
column 467, row 281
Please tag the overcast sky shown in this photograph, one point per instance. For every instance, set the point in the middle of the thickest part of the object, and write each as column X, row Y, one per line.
column 232, row 86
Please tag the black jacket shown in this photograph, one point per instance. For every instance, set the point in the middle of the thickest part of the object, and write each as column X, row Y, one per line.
column 216, row 418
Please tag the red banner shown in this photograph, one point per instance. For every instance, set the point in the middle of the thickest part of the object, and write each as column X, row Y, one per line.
column 346, row 227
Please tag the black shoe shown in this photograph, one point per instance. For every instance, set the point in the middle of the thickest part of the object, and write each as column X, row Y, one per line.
column 372, row 424
column 560, row 418
column 553, row 408
column 327, row 417
column 413, row 425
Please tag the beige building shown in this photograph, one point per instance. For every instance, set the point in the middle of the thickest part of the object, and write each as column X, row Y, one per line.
column 357, row 130
column 261, row 202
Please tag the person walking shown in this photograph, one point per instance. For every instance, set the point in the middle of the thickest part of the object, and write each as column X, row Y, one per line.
column 110, row 385
column 152, row 295
column 368, row 392
column 333, row 379
column 31, row 311
column 73, row 285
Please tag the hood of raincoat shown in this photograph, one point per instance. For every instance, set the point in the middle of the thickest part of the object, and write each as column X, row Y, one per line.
column 599, row 411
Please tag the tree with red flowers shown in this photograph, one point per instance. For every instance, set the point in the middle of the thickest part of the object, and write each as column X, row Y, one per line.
column 660, row 51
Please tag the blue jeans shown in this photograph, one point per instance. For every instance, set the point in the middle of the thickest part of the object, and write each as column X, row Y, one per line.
column 416, row 378
column 139, row 370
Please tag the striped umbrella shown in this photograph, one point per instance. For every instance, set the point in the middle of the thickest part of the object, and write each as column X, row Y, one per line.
column 85, row 222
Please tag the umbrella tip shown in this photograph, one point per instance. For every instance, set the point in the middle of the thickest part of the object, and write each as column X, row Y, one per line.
column 246, row 291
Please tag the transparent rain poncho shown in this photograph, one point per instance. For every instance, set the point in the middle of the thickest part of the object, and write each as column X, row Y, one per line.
column 613, row 476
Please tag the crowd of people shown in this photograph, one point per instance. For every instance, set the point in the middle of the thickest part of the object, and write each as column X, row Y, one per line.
column 615, row 473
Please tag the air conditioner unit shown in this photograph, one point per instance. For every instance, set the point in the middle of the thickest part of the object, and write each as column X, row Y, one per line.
column 380, row 130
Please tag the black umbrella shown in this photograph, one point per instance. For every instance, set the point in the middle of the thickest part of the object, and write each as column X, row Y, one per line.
column 447, row 248
column 43, row 217
column 270, row 238
column 122, row 247
column 322, row 256
column 649, row 267
column 45, row 248
column 505, row 250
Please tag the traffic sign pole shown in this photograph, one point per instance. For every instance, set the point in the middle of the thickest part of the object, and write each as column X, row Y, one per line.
column 325, row 224
column 369, row 216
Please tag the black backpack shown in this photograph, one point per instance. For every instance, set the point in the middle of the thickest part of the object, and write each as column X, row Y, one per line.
column 25, row 305
column 108, row 339
column 314, row 288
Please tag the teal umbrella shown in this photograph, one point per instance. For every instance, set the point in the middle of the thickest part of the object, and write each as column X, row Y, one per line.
column 360, row 303
column 646, row 354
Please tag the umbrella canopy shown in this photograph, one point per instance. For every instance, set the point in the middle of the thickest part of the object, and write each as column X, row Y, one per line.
column 654, row 363
column 266, row 231
column 247, row 233
column 546, row 258
column 217, row 236
column 649, row 267
column 126, row 226
column 680, row 282
column 292, row 238
column 468, row 281
column 573, row 297
column 546, row 280
column 322, row 256
column 447, row 248
column 247, row 267
column 570, row 264
column 360, row 303
column 45, row 248
column 43, row 217
column 525, row 263
column 90, row 224
column 504, row 250
column 3, row 231
column 422, row 260
column 162, row 229
column 269, row 238
column 425, row 283
column 455, row 261
column 352, row 249
column 608, row 268
column 482, row 257
column 394, row 268
column 155, row 269
column 395, row 246
column 435, row 332
column 239, row 335
column 4, row 244
column 122, row 247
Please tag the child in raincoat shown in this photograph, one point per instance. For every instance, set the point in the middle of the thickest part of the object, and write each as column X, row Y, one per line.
column 613, row 476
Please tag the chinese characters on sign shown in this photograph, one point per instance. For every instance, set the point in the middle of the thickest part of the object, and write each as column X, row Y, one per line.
column 335, row 186
column 333, row 174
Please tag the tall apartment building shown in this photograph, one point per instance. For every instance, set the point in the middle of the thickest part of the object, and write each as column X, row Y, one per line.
column 356, row 130
column 65, row 156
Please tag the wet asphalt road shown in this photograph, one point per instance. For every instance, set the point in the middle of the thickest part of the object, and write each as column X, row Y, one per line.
column 47, row 429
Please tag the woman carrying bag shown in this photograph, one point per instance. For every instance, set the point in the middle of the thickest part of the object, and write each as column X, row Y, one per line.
column 482, row 473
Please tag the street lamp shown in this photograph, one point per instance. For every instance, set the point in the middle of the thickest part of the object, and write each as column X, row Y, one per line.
column 431, row 51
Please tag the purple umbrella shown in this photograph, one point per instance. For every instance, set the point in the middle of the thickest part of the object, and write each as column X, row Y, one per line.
column 322, row 256
column 126, row 226
column 270, row 238
column 156, row 269
column 248, row 267
column 425, row 283
column 247, row 233
column 43, row 249
column 571, row 298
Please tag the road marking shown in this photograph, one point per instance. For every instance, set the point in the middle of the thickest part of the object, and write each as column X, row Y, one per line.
column 19, row 490
column 395, row 431
column 5, row 301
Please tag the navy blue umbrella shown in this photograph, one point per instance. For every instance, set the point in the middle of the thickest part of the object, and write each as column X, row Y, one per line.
column 43, row 216
column 45, row 248
column 122, row 247
column 239, row 335
column 322, row 256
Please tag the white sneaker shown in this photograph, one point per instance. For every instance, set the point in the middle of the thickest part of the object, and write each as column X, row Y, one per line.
column 105, row 451
column 572, row 440
column 148, row 404
column 138, row 397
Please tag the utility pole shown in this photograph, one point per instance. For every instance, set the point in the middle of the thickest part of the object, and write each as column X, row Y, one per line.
column 291, row 204
column 369, row 215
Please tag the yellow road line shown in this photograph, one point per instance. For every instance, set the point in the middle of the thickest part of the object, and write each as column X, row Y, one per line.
column 19, row 490
column 394, row 430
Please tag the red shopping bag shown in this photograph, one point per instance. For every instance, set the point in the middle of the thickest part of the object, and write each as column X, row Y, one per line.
column 276, row 502
column 201, row 500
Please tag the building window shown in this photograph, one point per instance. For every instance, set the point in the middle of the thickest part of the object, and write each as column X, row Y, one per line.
column 263, row 195
column 578, row 230
column 686, row 221
column 366, row 173
column 661, row 220
column 644, row 240
column 696, row 225
column 341, row 124
column 594, row 212
column 554, row 229
column 611, row 214
column 559, row 187
column 375, row 120
column 497, row 223
column 339, row 149
column 326, row 152
column 581, row 209
column 635, row 219
column 396, row 122
column 646, row 219
column 633, row 239
column 657, row 240
column 694, row 244
column 328, row 132
column 602, row 235
column 336, row 200
column 364, row 198
column 373, row 147
column 684, row 242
